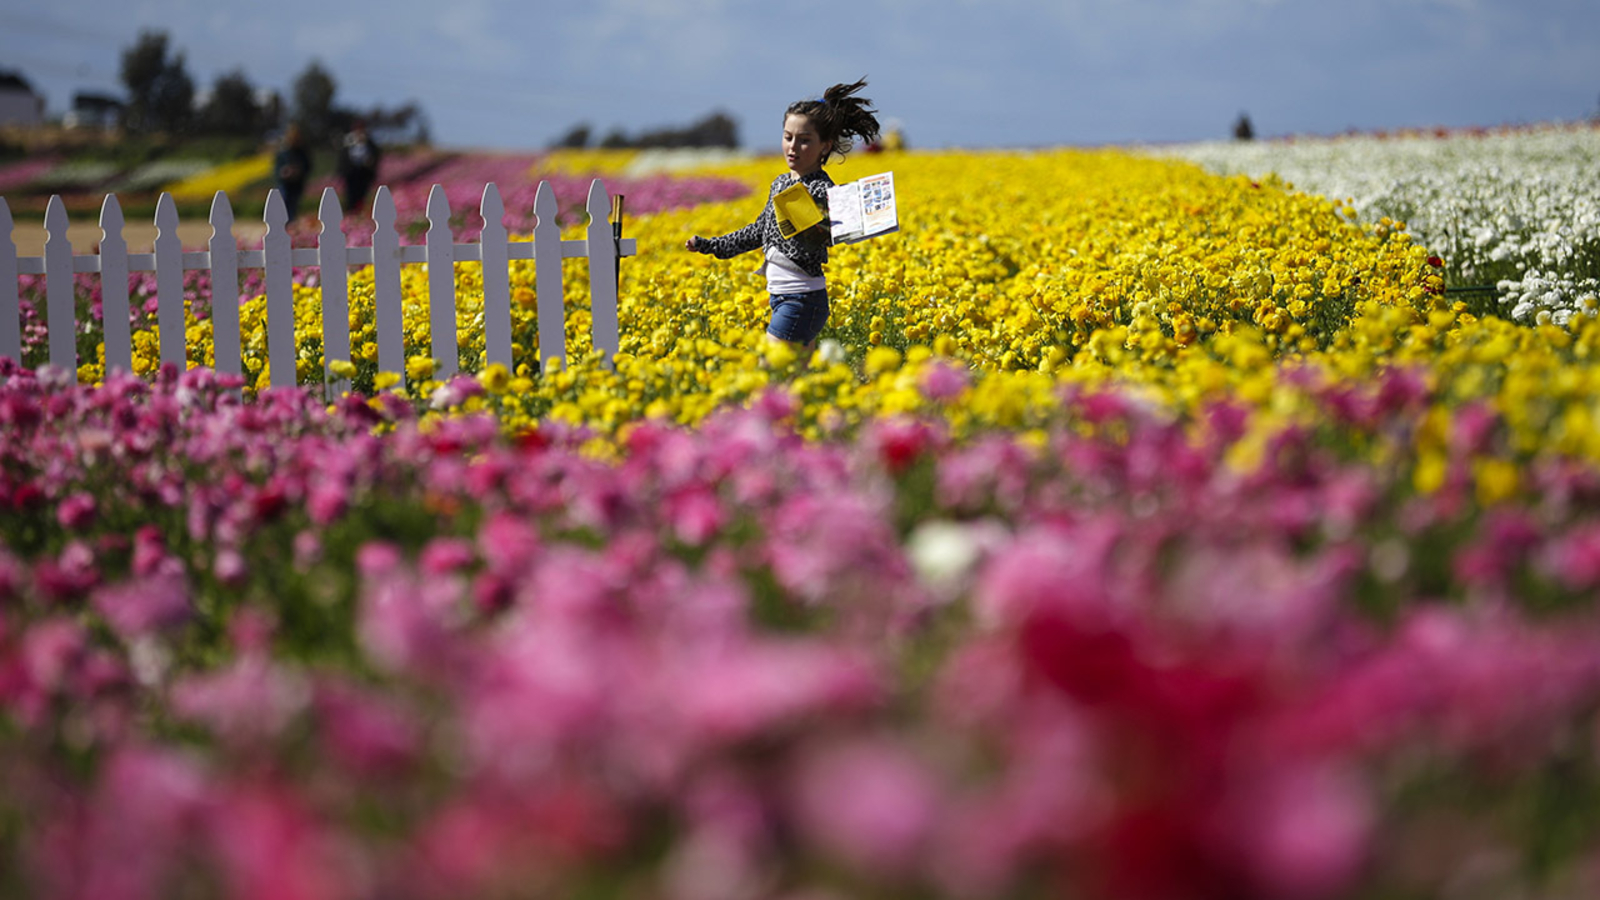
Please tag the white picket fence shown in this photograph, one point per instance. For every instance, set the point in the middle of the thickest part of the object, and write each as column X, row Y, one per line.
column 333, row 258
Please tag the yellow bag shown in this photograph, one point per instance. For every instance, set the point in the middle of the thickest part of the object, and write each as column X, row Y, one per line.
column 795, row 209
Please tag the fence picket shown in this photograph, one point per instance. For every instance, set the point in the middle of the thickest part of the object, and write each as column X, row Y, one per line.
column 496, row 280
column 58, row 287
column 333, row 267
column 225, row 337
column 602, row 274
column 278, row 264
column 114, row 309
column 547, row 279
column 169, row 285
column 333, row 257
column 388, row 308
column 10, row 293
column 442, row 284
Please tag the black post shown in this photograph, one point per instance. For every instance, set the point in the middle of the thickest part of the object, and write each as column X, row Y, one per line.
column 616, row 235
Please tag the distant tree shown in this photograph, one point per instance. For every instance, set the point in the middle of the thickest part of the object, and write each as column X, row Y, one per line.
column 715, row 130
column 173, row 100
column 575, row 139
column 313, row 108
column 233, row 108
column 272, row 109
column 142, row 65
column 160, row 91
column 1243, row 130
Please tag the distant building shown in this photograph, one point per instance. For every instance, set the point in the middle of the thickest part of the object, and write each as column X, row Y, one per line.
column 94, row 111
column 19, row 105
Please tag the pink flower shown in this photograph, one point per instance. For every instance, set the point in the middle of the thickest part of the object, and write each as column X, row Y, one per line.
column 402, row 622
column 377, row 558
column 507, row 542
column 76, row 512
column 776, row 404
column 230, row 567
column 51, row 651
column 944, row 380
column 1574, row 557
column 271, row 847
column 1303, row 828
column 444, row 555
column 132, row 834
column 69, row 576
column 695, row 514
column 868, row 802
column 366, row 733
column 736, row 692
column 150, row 554
column 144, row 605
column 250, row 700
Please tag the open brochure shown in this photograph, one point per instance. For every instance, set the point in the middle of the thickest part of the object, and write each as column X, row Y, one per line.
column 863, row 209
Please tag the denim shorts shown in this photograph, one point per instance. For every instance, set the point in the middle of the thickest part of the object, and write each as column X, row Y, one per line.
column 798, row 318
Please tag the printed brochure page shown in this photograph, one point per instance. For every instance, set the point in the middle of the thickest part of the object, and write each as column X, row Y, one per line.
column 863, row 209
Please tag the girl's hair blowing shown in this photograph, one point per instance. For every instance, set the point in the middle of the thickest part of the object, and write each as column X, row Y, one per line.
column 839, row 117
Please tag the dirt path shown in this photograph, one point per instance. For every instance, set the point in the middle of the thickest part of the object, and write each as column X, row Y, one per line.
column 141, row 236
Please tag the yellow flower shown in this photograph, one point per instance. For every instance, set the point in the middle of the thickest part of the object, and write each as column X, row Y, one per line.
column 419, row 368
column 882, row 359
column 779, row 354
column 1495, row 479
column 495, row 379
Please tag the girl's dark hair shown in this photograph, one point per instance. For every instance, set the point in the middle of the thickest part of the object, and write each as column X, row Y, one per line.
column 840, row 117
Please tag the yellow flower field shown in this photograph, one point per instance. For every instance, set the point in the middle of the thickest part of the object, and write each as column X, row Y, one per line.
column 1029, row 270
column 229, row 178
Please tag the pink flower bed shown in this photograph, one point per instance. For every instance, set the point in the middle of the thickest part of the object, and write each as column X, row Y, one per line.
column 262, row 650
column 516, row 176
column 21, row 173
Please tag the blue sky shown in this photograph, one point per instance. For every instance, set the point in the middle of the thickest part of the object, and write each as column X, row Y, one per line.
column 516, row 74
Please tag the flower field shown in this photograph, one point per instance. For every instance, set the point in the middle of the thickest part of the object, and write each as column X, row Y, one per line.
column 1515, row 210
column 1136, row 531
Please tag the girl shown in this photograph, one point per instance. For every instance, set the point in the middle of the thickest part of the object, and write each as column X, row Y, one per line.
column 813, row 131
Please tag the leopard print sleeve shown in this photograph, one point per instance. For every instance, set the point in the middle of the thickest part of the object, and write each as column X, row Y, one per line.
column 808, row 249
column 749, row 237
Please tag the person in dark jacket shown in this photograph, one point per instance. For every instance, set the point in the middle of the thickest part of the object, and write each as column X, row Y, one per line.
column 358, row 166
column 290, row 168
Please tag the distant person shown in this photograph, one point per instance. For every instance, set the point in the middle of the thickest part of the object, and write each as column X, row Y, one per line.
column 358, row 166
column 290, row 168
column 813, row 131
column 894, row 136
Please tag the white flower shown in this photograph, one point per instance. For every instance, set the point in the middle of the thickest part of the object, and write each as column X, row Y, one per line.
column 944, row 553
column 830, row 351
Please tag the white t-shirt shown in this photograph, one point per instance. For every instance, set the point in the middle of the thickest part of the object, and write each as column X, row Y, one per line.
column 784, row 277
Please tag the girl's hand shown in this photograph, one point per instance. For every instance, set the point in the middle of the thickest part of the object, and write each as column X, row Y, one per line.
column 693, row 244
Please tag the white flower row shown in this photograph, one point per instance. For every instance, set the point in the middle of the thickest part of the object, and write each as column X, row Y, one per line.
column 1516, row 208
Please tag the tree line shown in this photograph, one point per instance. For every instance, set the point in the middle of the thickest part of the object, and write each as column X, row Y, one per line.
column 715, row 130
column 161, row 100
